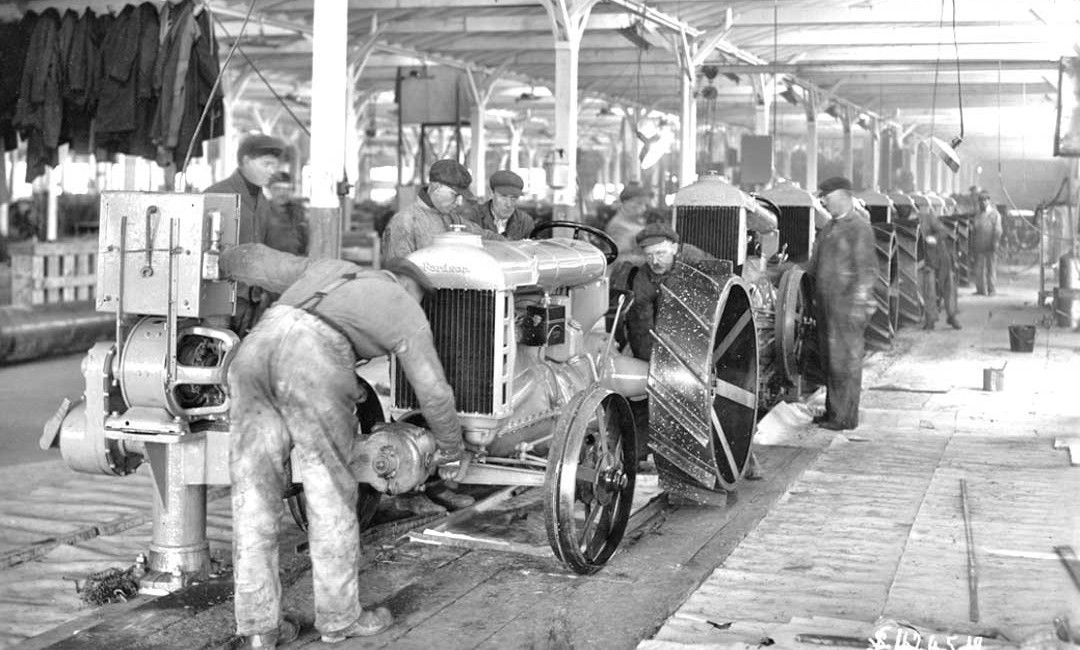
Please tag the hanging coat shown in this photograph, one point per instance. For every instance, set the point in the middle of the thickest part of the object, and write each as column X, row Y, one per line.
column 844, row 266
column 186, row 69
column 14, row 44
column 39, row 110
column 125, row 106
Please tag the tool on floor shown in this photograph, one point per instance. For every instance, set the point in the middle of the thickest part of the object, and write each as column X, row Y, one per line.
column 973, row 575
column 1072, row 565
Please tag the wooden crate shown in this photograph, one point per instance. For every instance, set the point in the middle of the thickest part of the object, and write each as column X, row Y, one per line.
column 50, row 272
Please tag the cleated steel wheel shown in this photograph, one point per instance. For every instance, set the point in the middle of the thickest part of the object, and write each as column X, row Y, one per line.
column 368, row 413
column 589, row 484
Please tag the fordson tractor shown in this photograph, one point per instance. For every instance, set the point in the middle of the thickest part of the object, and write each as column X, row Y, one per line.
column 541, row 390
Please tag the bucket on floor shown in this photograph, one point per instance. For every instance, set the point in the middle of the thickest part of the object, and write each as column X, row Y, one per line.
column 1021, row 338
column 994, row 379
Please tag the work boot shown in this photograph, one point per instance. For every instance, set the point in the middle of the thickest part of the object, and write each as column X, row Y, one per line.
column 448, row 498
column 418, row 504
column 819, row 419
column 369, row 623
column 955, row 323
column 286, row 633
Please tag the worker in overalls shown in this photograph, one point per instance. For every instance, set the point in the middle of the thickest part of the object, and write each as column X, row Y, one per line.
column 844, row 266
column 293, row 387
column 937, row 277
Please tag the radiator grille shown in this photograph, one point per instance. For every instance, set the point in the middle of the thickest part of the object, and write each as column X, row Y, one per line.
column 463, row 326
column 795, row 225
column 712, row 228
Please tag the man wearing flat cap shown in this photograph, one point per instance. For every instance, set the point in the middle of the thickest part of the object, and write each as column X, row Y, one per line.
column 257, row 159
column 437, row 207
column 629, row 218
column 501, row 214
column 294, row 388
column 844, row 266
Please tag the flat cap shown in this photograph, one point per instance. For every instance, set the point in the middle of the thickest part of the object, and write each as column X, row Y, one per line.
column 654, row 233
column 832, row 184
column 452, row 174
column 507, row 183
column 632, row 191
column 257, row 145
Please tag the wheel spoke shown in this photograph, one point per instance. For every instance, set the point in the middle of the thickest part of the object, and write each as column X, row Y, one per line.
column 736, row 394
column 721, row 349
column 722, row 437
column 602, row 430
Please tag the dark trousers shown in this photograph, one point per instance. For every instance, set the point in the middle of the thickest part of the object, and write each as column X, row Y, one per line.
column 938, row 286
column 842, row 342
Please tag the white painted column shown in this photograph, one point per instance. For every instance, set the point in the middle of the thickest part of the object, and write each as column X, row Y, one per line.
column 873, row 149
column 847, row 146
column 935, row 171
column 329, row 82
column 811, row 143
column 566, row 124
column 5, row 223
column 922, row 182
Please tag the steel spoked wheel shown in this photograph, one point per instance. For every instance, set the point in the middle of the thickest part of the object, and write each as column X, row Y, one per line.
column 795, row 321
column 590, row 477
column 368, row 413
column 733, row 388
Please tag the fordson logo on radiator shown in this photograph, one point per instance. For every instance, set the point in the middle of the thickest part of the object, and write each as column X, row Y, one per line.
column 444, row 268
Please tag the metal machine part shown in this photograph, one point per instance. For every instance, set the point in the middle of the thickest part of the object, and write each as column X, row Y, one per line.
column 159, row 392
column 711, row 215
column 395, row 458
column 703, row 379
column 796, row 325
column 590, row 479
column 909, row 259
column 796, row 221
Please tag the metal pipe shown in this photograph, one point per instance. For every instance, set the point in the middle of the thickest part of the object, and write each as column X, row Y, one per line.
column 45, row 330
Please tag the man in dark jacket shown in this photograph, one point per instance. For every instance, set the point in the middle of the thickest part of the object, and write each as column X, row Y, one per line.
column 257, row 159
column 844, row 267
column 294, row 387
column 501, row 214
column 937, row 279
column 287, row 229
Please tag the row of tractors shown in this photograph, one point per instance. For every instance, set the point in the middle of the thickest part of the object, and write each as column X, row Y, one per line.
column 525, row 331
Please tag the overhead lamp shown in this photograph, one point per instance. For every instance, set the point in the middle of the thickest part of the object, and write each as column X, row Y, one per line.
column 863, row 121
column 790, row 95
column 633, row 33
column 946, row 151
column 833, row 110
column 732, row 76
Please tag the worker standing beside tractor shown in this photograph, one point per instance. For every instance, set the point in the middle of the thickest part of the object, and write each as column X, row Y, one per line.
column 293, row 386
column 844, row 266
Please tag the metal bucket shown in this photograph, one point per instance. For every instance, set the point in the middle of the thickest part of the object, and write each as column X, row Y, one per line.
column 1022, row 338
column 994, row 379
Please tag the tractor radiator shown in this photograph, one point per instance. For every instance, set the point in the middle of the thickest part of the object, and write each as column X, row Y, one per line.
column 712, row 228
column 796, row 229
column 463, row 326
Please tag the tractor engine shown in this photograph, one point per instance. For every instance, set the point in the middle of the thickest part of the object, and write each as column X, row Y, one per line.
column 513, row 326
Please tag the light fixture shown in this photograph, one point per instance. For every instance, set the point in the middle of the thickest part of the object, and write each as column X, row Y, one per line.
column 864, row 121
column 947, row 151
column 633, row 33
column 732, row 76
column 833, row 110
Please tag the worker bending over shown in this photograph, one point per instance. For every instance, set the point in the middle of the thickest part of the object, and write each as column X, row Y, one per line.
column 293, row 387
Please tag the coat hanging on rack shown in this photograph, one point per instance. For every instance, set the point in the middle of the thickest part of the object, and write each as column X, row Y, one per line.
column 39, row 110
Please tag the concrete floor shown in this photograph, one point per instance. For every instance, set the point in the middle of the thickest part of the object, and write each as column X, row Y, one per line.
column 785, row 558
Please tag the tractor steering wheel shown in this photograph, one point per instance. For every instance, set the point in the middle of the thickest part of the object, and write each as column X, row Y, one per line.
column 612, row 249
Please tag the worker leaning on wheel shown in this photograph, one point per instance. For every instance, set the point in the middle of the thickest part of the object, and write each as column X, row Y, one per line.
column 293, row 386
column 844, row 266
